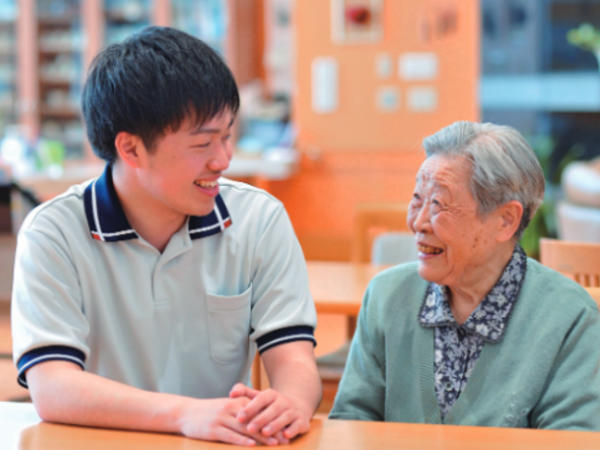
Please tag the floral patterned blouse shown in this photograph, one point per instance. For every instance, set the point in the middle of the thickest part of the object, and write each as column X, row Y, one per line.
column 457, row 347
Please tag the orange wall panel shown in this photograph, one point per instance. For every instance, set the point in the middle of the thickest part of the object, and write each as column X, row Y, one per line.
column 358, row 124
column 359, row 153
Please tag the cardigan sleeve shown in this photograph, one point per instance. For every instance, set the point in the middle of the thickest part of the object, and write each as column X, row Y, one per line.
column 571, row 397
column 361, row 392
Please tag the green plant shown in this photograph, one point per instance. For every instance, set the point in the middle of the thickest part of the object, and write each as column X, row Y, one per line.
column 538, row 228
column 543, row 223
column 585, row 36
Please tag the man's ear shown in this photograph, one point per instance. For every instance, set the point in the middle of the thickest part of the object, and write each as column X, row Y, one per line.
column 130, row 148
column 509, row 215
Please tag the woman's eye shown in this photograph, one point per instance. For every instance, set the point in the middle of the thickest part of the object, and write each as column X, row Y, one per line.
column 436, row 205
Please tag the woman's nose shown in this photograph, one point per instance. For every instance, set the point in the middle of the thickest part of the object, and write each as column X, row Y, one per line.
column 421, row 218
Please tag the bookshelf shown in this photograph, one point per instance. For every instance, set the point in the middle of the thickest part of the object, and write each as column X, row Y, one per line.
column 46, row 49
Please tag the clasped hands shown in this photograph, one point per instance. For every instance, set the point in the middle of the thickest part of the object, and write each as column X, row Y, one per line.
column 247, row 417
column 270, row 414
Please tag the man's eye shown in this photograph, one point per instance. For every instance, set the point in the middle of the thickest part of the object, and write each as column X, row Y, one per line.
column 201, row 145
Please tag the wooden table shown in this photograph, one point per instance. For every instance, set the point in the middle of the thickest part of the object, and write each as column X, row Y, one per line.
column 338, row 287
column 20, row 428
column 595, row 293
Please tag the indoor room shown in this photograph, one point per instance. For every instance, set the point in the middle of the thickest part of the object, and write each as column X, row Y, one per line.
column 323, row 122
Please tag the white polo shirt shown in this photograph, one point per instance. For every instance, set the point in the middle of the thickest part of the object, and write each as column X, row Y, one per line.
column 187, row 321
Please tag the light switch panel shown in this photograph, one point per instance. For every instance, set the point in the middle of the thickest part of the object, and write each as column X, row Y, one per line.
column 418, row 66
column 384, row 66
column 388, row 98
column 422, row 99
column 325, row 84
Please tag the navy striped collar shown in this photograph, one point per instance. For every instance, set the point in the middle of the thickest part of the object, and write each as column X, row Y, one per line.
column 107, row 220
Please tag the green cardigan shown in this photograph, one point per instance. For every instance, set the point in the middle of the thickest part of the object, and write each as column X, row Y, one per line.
column 543, row 373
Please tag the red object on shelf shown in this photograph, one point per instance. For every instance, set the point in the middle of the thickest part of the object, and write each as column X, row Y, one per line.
column 358, row 15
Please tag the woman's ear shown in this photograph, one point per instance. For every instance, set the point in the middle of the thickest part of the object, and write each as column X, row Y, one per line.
column 130, row 148
column 510, row 215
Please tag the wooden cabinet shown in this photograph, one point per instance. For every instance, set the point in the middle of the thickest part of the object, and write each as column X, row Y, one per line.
column 8, row 70
column 60, row 63
column 123, row 17
column 57, row 40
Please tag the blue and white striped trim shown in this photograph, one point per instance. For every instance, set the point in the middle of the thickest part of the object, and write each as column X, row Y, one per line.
column 49, row 353
column 285, row 335
column 107, row 221
column 214, row 222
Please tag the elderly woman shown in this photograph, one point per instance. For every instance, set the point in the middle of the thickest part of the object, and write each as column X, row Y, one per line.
column 474, row 333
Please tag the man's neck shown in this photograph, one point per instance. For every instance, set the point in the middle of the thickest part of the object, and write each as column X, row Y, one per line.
column 150, row 219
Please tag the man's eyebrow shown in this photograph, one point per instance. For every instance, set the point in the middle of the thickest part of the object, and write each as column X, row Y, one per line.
column 201, row 129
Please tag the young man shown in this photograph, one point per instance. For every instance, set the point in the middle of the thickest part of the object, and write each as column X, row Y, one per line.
column 140, row 298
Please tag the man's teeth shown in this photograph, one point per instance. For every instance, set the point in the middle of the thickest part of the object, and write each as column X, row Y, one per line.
column 205, row 184
column 430, row 250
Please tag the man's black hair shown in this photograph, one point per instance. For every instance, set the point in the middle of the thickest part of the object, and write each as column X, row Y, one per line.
column 150, row 83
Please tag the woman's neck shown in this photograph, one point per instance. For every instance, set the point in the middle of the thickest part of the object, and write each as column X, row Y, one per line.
column 466, row 296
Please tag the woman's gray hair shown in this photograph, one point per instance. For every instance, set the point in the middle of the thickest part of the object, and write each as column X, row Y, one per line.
column 504, row 167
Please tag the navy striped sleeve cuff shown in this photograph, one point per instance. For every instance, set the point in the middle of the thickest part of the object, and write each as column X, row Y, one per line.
column 50, row 353
column 285, row 335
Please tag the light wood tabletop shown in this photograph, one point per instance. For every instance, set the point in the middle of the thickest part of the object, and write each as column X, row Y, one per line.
column 20, row 428
column 595, row 293
column 338, row 287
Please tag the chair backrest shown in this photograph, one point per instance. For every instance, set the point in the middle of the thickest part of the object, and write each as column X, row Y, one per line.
column 579, row 261
column 372, row 219
column 394, row 247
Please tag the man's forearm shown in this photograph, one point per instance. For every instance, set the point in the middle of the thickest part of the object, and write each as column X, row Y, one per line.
column 63, row 393
column 300, row 381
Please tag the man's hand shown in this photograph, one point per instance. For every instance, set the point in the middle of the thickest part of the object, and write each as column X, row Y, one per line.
column 271, row 413
column 62, row 392
column 216, row 420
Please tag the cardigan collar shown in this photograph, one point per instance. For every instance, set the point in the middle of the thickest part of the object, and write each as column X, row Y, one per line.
column 490, row 318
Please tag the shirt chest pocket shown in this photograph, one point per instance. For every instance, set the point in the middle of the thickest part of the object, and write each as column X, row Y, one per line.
column 229, row 325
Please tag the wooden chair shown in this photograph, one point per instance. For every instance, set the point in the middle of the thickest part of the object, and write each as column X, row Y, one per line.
column 371, row 220
column 579, row 261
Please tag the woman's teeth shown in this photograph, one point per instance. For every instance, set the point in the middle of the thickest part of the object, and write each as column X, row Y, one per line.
column 430, row 250
column 205, row 184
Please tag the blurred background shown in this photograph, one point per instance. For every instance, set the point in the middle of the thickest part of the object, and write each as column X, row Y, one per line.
column 336, row 97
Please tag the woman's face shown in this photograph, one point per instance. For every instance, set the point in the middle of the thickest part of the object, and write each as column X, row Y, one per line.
column 454, row 243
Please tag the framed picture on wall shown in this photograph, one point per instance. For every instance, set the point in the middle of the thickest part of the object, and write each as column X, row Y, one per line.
column 356, row 21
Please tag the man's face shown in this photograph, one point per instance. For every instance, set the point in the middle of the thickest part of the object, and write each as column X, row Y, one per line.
column 180, row 172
